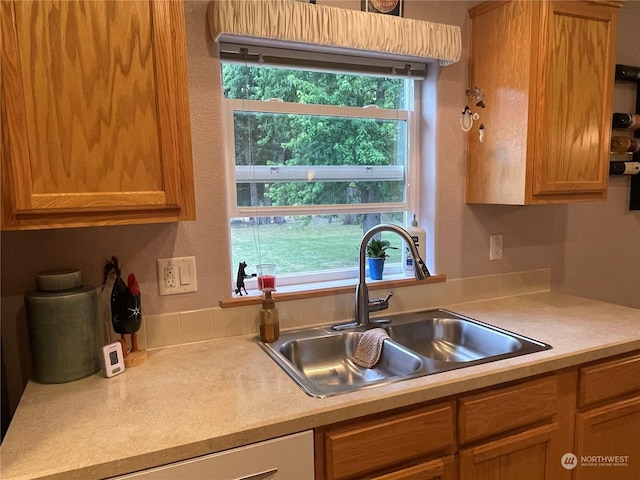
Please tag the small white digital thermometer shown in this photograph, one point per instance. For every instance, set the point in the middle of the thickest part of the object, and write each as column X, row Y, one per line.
column 112, row 359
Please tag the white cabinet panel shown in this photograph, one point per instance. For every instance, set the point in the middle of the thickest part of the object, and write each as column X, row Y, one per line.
column 285, row 458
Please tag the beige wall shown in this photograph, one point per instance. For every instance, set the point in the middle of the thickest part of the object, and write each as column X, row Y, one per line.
column 571, row 240
column 601, row 252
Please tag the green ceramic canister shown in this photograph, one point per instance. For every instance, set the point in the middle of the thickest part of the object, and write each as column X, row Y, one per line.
column 62, row 316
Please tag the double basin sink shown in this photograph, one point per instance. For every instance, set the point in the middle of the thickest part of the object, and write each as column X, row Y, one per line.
column 321, row 361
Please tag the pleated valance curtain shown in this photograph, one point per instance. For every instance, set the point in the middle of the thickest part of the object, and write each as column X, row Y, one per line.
column 293, row 25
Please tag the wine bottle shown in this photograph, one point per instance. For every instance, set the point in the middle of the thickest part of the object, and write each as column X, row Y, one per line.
column 624, row 144
column 624, row 168
column 626, row 120
column 627, row 72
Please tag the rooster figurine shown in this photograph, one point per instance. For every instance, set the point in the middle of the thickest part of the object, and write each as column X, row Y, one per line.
column 126, row 314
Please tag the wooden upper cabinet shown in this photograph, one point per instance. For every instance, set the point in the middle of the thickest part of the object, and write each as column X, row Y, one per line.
column 547, row 69
column 95, row 115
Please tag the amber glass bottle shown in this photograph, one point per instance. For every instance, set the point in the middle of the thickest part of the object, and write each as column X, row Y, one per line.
column 624, row 144
column 269, row 319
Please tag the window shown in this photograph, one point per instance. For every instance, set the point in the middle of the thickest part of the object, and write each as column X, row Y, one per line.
column 315, row 159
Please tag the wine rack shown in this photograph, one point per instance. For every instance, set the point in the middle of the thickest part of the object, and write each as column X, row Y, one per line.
column 622, row 75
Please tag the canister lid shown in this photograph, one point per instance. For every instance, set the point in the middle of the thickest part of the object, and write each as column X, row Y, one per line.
column 58, row 280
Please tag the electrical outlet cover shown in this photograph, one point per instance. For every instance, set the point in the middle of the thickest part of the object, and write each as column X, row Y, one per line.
column 495, row 247
column 169, row 276
column 177, row 275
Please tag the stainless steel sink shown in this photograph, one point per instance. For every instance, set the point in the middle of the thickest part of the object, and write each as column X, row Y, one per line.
column 323, row 362
column 454, row 340
column 320, row 360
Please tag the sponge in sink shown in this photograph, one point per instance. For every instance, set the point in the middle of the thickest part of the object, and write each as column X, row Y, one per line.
column 369, row 347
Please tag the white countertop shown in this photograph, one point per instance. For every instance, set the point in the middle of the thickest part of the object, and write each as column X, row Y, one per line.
column 196, row 399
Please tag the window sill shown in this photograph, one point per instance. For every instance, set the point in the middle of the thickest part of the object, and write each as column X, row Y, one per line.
column 325, row 289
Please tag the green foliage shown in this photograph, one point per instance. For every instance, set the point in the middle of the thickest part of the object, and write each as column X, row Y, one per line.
column 279, row 139
column 378, row 248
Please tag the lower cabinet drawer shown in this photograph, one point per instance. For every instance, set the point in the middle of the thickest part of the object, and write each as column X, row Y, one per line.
column 370, row 445
column 284, row 458
column 440, row 469
column 608, row 380
column 497, row 411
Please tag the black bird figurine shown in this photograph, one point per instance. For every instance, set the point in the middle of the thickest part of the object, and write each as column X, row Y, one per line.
column 126, row 314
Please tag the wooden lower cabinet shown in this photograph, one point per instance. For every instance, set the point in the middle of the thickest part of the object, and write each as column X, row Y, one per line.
column 518, row 431
column 417, row 443
column 609, row 380
column 524, row 456
column 608, row 420
column 608, row 442
column 440, row 469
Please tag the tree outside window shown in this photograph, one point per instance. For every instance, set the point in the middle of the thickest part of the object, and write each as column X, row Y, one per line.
column 319, row 158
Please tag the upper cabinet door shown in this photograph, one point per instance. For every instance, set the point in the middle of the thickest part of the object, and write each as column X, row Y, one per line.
column 575, row 90
column 547, row 69
column 95, row 115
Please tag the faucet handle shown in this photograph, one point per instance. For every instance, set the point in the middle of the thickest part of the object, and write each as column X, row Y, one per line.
column 423, row 267
column 376, row 304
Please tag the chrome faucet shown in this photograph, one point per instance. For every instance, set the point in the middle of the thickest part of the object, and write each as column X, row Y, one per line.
column 363, row 304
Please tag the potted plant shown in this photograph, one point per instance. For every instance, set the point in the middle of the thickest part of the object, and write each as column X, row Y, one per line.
column 377, row 253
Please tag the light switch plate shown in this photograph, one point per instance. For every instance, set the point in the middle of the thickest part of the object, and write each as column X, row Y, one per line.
column 177, row 275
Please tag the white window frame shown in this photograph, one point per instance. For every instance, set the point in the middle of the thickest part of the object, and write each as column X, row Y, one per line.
column 327, row 173
column 263, row 173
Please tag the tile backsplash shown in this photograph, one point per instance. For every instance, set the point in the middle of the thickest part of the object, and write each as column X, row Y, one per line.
column 177, row 328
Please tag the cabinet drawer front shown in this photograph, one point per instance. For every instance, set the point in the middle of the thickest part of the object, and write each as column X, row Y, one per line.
column 498, row 411
column 611, row 430
column 441, row 469
column 608, row 380
column 281, row 458
column 374, row 444
column 524, row 455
